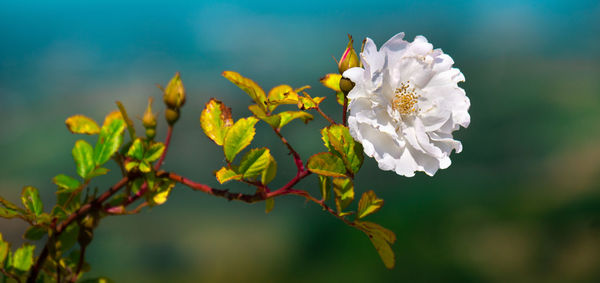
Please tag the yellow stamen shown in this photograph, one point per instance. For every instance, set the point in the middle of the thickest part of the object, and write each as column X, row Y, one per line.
column 405, row 99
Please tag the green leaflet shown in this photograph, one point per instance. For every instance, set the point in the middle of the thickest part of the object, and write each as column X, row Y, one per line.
column 109, row 140
column 238, row 137
column 338, row 140
column 66, row 183
column 249, row 86
column 216, row 120
column 326, row 164
column 136, row 150
column 368, row 204
column 344, row 192
column 31, row 200
column 22, row 259
column 269, row 173
column 254, row 162
column 83, row 154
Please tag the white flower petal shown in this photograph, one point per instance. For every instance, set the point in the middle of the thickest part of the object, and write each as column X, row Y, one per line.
column 405, row 105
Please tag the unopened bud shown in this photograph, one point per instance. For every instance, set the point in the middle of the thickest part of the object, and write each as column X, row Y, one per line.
column 174, row 95
column 349, row 58
column 172, row 115
column 149, row 119
column 346, row 85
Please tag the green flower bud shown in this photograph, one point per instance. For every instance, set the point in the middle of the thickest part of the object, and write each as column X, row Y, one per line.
column 349, row 58
column 150, row 133
column 149, row 119
column 346, row 85
column 172, row 115
column 174, row 93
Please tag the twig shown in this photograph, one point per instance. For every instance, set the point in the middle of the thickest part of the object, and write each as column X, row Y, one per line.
column 10, row 275
column 331, row 121
column 297, row 159
column 167, row 142
column 79, row 264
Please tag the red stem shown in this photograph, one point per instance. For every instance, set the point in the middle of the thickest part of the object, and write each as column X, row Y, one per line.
column 167, row 142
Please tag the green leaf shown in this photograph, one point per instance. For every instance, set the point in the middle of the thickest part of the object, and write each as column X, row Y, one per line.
column 66, row 183
column 161, row 195
column 154, row 152
column 79, row 124
column 225, row 174
column 326, row 164
column 369, row 203
column 273, row 120
column 145, row 167
column 254, row 162
column 344, row 192
column 238, row 137
column 269, row 204
column 131, row 164
column 8, row 209
column 288, row 116
column 109, row 140
column 31, row 200
column 35, row 233
column 23, row 258
column 58, row 212
column 325, row 186
column 216, row 120
column 254, row 90
column 83, row 153
column 381, row 239
column 338, row 140
column 136, row 150
column 98, row 172
column 269, row 173
column 4, row 248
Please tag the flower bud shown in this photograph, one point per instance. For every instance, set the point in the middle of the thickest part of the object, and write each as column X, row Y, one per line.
column 172, row 115
column 149, row 119
column 174, row 93
column 349, row 58
column 346, row 85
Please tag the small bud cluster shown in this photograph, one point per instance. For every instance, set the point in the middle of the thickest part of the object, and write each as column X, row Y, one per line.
column 349, row 60
column 174, row 98
column 149, row 121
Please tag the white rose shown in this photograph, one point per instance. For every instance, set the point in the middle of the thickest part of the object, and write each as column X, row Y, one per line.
column 405, row 105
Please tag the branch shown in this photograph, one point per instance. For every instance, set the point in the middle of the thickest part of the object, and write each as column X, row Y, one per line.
column 96, row 203
column 297, row 159
column 164, row 154
column 345, row 109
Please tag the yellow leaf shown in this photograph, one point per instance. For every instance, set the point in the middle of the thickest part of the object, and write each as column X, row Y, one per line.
column 381, row 239
column 216, row 120
column 80, row 124
column 225, row 174
column 282, row 94
column 249, row 86
column 116, row 114
column 269, row 204
column 332, row 81
column 344, row 192
column 369, row 203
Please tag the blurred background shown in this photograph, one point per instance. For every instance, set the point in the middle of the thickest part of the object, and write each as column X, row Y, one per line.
column 521, row 203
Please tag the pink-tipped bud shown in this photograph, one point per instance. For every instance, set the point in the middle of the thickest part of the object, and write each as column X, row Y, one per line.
column 349, row 58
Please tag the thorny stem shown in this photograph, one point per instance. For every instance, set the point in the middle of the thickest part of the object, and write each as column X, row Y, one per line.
column 167, row 142
column 94, row 204
column 297, row 159
column 331, row 121
column 345, row 110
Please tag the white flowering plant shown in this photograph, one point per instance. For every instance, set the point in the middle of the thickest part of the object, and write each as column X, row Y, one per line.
column 399, row 104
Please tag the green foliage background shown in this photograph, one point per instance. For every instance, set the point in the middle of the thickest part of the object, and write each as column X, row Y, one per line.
column 521, row 203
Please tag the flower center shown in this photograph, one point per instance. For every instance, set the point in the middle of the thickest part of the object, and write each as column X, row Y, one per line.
column 405, row 99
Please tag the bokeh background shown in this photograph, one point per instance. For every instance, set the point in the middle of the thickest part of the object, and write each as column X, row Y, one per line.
column 521, row 203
